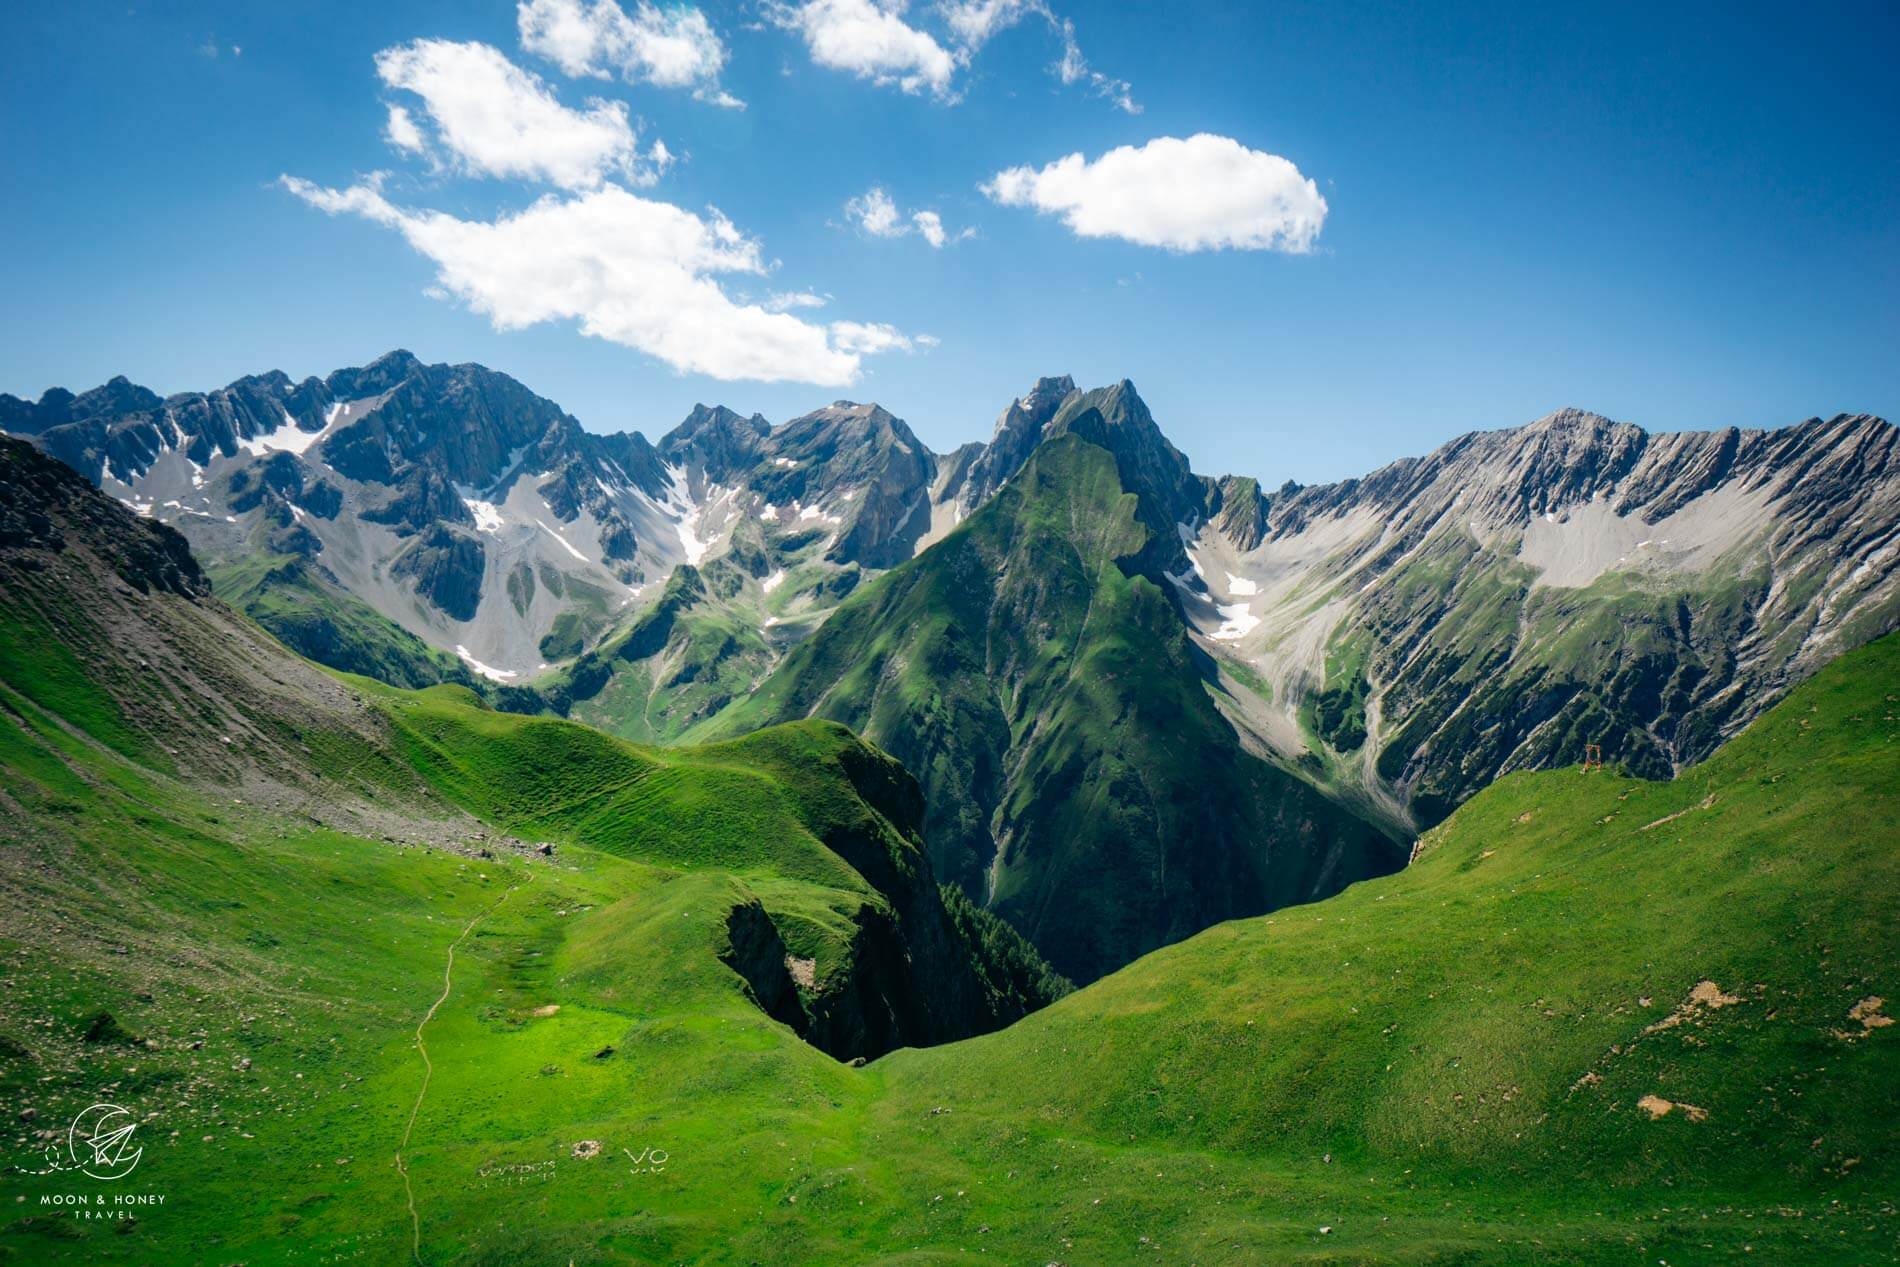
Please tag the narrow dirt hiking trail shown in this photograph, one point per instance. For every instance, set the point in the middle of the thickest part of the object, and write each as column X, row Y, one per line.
column 428, row 1069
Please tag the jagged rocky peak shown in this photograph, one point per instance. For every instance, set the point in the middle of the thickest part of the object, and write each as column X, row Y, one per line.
column 1561, row 459
column 1019, row 429
column 1572, row 457
column 825, row 435
column 850, row 417
column 57, row 406
column 386, row 372
column 1504, row 478
column 721, row 443
column 1569, row 420
column 1117, row 419
column 465, row 420
column 1048, row 393
column 864, row 468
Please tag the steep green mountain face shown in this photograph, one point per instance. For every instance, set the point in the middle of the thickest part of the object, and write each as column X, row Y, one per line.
column 1167, row 492
column 1079, row 780
column 298, row 606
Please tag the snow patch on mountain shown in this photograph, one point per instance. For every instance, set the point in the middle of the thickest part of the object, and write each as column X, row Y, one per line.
column 487, row 514
column 565, row 543
column 488, row 671
column 287, row 438
column 1237, row 621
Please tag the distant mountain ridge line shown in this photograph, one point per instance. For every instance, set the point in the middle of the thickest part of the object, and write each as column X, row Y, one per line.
column 1394, row 642
column 119, row 397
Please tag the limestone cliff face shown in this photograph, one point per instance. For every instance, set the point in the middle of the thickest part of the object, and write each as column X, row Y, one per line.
column 1504, row 601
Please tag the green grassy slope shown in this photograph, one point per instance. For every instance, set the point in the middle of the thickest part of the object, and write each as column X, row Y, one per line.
column 328, row 626
column 1488, row 1023
column 1442, row 1066
column 1407, row 1066
column 265, row 978
column 1076, row 773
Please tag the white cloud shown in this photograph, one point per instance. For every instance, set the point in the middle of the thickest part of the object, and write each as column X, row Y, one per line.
column 1203, row 193
column 930, row 224
column 402, row 131
column 496, row 119
column 1074, row 68
column 973, row 23
column 876, row 214
column 870, row 39
column 787, row 300
column 870, row 338
column 628, row 269
column 873, row 40
column 673, row 48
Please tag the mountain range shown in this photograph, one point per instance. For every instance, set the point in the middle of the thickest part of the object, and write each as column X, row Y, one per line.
column 112, row 628
column 1138, row 700
column 388, row 975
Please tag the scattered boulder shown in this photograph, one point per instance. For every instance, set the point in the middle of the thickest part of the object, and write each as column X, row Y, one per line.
column 1657, row 1108
column 1867, row 1013
column 103, row 1028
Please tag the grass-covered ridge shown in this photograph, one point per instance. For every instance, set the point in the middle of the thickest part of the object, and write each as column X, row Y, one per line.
column 283, row 594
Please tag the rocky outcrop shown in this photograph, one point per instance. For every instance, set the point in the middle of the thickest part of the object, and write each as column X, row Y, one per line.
column 447, row 568
column 45, row 506
column 757, row 953
column 911, row 974
column 1239, row 510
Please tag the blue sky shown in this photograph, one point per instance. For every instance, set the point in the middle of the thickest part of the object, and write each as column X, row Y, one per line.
column 1330, row 236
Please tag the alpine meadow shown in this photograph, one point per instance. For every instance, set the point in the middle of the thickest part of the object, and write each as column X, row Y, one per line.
column 1335, row 804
